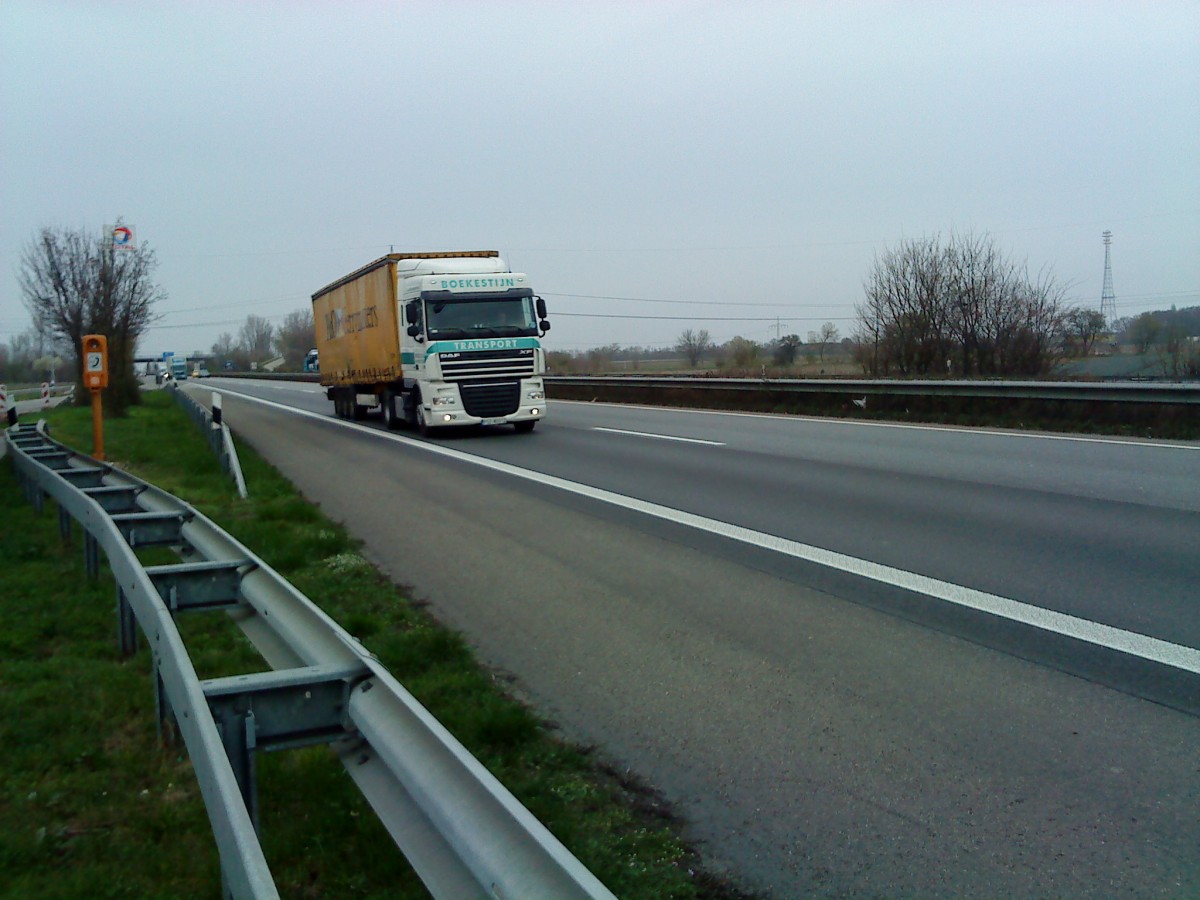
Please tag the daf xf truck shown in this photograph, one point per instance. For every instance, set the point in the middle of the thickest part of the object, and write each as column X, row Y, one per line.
column 434, row 340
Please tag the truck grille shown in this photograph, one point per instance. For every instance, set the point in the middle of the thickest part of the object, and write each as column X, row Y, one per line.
column 486, row 365
column 492, row 399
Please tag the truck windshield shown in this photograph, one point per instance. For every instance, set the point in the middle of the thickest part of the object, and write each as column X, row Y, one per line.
column 469, row 316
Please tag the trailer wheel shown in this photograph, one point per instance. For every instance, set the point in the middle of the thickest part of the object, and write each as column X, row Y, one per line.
column 339, row 404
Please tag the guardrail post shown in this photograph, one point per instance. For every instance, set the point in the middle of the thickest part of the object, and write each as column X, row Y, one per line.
column 166, row 726
column 91, row 555
column 64, row 525
column 238, row 734
column 9, row 409
column 126, row 626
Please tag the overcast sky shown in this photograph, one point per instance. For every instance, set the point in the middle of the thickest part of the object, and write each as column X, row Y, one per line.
column 653, row 166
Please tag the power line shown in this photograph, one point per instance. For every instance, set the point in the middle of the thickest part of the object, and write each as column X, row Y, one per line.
column 725, row 303
column 290, row 297
column 695, row 318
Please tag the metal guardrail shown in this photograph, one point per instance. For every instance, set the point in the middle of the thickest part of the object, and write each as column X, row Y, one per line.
column 216, row 432
column 462, row 831
column 47, row 391
column 1153, row 392
column 1187, row 393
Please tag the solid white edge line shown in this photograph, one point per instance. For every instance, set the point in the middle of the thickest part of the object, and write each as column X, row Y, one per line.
column 659, row 437
column 1149, row 648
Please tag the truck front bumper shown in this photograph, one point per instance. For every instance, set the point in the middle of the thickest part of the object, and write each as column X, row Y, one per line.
column 437, row 417
column 448, row 410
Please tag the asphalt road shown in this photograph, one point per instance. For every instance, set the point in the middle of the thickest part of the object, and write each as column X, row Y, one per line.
column 823, row 730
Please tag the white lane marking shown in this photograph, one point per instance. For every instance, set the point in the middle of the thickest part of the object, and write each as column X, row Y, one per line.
column 851, row 423
column 1174, row 655
column 660, row 437
column 293, row 386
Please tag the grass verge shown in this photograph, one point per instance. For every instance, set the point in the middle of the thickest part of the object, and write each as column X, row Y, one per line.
column 92, row 805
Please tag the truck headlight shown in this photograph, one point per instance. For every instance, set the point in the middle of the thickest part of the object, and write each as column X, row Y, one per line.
column 536, row 395
column 444, row 401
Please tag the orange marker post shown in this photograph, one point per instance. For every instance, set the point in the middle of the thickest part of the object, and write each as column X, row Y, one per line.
column 95, row 379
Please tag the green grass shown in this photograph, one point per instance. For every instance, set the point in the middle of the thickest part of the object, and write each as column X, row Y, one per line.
column 92, row 805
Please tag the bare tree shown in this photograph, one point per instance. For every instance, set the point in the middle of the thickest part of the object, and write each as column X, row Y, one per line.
column 1173, row 349
column 600, row 359
column 74, row 284
column 22, row 354
column 48, row 366
column 827, row 335
column 931, row 304
column 256, row 338
column 295, row 337
column 693, row 345
column 743, row 352
column 1144, row 331
column 224, row 346
column 787, row 348
column 1083, row 327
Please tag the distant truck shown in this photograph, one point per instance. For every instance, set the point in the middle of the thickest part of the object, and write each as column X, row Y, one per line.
column 434, row 340
column 179, row 368
column 312, row 362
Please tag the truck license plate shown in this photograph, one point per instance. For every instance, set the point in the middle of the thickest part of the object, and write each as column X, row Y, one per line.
column 492, row 421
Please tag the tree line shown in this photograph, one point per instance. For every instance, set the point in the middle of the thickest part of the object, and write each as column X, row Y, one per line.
column 258, row 341
column 695, row 349
column 931, row 307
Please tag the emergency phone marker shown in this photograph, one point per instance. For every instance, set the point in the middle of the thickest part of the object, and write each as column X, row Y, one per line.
column 95, row 379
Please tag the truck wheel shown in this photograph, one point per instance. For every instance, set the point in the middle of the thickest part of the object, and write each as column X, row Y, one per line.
column 409, row 408
column 524, row 427
column 390, row 420
column 339, row 405
column 358, row 411
column 422, row 424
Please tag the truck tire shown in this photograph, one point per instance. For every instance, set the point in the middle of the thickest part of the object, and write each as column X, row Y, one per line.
column 391, row 421
column 409, row 403
column 339, row 404
column 525, row 427
column 422, row 422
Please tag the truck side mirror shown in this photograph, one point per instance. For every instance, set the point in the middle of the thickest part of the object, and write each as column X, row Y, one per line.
column 414, row 331
column 544, row 325
column 412, row 315
column 541, row 308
